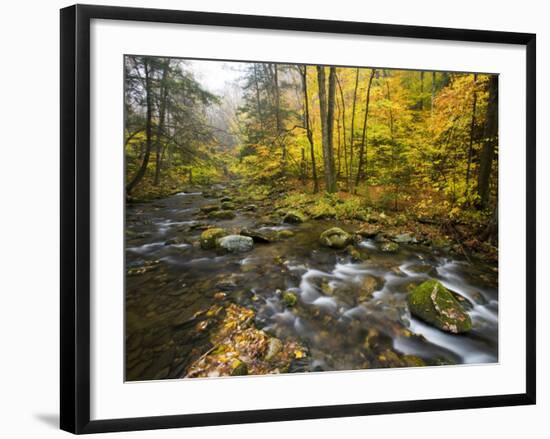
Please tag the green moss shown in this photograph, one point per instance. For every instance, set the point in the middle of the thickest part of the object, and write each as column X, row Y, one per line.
column 354, row 253
column 294, row 217
column 322, row 209
column 222, row 214
column 209, row 208
column 389, row 247
column 414, row 361
column 228, row 205
column 284, row 234
column 209, row 236
column 239, row 368
column 335, row 237
column 289, row 299
column 433, row 303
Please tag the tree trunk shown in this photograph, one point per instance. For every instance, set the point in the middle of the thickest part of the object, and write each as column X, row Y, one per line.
column 343, row 112
column 433, row 93
column 490, row 233
column 148, row 131
column 339, row 143
column 326, row 111
column 489, row 144
column 421, row 102
column 330, row 126
column 258, row 99
column 471, row 144
column 303, row 164
column 160, row 127
column 352, row 135
column 309, row 133
column 278, row 123
column 393, row 150
column 363, row 149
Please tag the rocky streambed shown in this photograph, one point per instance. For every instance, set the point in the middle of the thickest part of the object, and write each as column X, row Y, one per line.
column 220, row 284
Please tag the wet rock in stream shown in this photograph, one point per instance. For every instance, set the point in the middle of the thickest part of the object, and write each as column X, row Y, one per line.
column 222, row 214
column 433, row 303
column 209, row 208
column 209, row 237
column 389, row 247
column 236, row 243
column 294, row 217
column 257, row 235
column 335, row 237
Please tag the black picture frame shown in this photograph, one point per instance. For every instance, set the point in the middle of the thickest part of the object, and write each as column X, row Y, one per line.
column 75, row 217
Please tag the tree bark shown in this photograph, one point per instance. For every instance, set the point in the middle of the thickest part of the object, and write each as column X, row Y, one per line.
column 148, row 131
column 278, row 123
column 352, row 135
column 339, row 143
column 326, row 110
column 308, row 132
column 471, row 144
column 330, row 126
column 393, row 150
column 343, row 112
column 160, row 127
column 490, row 233
column 490, row 139
column 421, row 102
column 433, row 93
column 364, row 147
column 258, row 98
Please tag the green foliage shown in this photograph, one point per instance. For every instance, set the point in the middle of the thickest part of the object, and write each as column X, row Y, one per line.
column 318, row 206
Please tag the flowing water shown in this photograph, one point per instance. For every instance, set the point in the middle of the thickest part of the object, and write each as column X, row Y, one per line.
column 171, row 282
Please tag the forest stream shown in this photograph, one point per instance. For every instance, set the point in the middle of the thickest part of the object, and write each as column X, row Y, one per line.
column 348, row 313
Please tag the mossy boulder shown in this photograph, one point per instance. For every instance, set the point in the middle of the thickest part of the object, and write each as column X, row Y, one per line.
column 357, row 254
column 236, row 243
column 368, row 230
column 289, row 299
column 433, row 303
column 335, row 237
column 210, row 236
column 209, row 208
column 389, row 247
column 354, row 254
column 257, row 236
column 284, row 234
column 228, row 205
column 294, row 217
column 222, row 214
column 404, row 238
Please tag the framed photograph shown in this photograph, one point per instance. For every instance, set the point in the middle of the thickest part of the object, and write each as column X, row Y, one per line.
column 268, row 218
